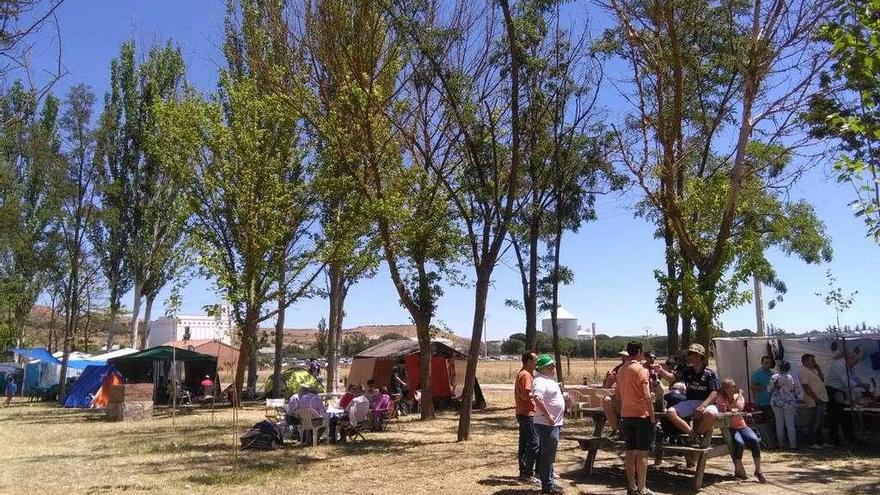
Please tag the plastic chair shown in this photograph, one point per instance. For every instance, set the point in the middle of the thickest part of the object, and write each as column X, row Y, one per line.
column 307, row 419
column 274, row 408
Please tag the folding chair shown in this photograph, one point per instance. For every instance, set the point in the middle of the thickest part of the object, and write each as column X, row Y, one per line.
column 358, row 420
column 392, row 413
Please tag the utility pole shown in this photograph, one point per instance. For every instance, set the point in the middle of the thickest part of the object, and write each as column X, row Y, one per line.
column 759, row 306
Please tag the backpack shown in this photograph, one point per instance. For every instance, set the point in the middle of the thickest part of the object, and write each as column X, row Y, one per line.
column 261, row 436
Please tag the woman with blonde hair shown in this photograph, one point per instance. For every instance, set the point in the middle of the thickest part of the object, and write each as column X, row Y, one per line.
column 730, row 400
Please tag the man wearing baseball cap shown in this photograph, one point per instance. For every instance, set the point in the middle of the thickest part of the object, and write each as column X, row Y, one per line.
column 702, row 386
column 549, row 411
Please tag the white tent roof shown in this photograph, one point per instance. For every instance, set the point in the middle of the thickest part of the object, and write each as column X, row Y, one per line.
column 125, row 351
column 75, row 355
column 561, row 314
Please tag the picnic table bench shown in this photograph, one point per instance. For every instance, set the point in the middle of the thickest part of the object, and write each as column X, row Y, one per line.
column 718, row 445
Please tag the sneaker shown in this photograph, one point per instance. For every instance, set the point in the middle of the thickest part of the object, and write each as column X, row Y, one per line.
column 632, row 491
column 647, row 492
column 827, row 445
column 817, row 446
column 761, row 478
column 529, row 480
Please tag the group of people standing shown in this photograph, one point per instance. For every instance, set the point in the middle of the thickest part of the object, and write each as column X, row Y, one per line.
column 825, row 398
column 696, row 398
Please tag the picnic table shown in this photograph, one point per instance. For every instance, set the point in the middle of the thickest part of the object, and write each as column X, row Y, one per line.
column 695, row 455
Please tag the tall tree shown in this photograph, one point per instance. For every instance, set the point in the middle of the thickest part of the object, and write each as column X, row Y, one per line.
column 239, row 162
column 135, row 178
column 31, row 174
column 849, row 110
column 476, row 56
column 697, row 70
column 116, row 152
column 344, row 40
column 77, row 204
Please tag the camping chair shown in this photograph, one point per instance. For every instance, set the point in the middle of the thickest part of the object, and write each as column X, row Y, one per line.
column 311, row 421
column 358, row 421
column 275, row 408
column 387, row 414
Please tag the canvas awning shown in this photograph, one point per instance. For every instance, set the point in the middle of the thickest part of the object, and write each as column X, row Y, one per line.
column 399, row 348
column 163, row 353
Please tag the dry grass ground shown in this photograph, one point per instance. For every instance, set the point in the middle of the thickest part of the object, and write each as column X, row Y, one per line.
column 44, row 449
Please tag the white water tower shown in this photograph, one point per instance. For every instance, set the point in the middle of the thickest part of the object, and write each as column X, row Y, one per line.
column 567, row 323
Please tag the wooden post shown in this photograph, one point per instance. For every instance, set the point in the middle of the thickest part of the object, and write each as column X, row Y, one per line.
column 595, row 362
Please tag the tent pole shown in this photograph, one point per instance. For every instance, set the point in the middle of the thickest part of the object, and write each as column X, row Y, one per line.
column 748, row 375
column 173, row 389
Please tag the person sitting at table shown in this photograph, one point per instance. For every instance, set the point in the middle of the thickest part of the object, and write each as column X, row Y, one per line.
column 381, row 406
column 346, row 397
column 730, row 400
column 372, row 393
column 702, row 387
column 356, row 412
column 677, row 393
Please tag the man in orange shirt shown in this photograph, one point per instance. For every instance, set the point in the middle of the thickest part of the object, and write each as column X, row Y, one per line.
column 525, row 416
column 637, row 418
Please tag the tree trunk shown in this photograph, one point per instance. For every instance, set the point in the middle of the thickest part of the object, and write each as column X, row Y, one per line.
column 423, row 331
column 135, row 313
column 252, row 369
column 334, row 328
column 671, row 305
column 113, row 312
column 481, row 292
column 531, row 302
column 705, row 319
column 279, row 343
column 53, row 333
column 557, row 246
column 148, row 311
column 248, row 335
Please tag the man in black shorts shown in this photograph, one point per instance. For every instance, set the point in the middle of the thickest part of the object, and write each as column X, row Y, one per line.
column 637, row 418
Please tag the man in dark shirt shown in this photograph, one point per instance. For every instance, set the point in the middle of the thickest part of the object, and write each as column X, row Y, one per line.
column 399, row 385
column 702, row 386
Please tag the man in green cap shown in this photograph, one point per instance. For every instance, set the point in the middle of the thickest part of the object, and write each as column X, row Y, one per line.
column 549, row 411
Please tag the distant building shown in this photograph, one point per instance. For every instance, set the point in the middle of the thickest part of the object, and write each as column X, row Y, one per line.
column 198, row 327
column 567, row 323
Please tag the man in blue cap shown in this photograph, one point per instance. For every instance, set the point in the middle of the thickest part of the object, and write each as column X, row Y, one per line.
column 549, row 411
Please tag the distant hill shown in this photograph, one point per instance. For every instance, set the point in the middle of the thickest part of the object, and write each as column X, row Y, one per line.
column 306, row 336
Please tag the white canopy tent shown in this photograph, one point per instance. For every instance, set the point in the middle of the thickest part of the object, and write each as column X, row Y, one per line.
column 739, row 357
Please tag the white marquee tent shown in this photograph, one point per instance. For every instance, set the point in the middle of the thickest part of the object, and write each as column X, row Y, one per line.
column 738, row 357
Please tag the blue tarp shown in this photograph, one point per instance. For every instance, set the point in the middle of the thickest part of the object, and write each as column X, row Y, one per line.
column 38, row 353
column 88, row 384
column 83, row 363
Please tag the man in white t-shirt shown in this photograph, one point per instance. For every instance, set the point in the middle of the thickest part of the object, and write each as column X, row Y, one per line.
column 549, row 411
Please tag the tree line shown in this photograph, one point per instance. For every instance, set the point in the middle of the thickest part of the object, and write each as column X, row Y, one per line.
column 438, row 140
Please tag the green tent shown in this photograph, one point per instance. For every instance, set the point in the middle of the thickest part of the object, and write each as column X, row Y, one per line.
column 293, row 379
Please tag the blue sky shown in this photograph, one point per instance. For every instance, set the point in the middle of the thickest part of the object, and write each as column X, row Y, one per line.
column 613, row 258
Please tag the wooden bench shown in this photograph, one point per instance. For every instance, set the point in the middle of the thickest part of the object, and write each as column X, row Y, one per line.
column 695, row 456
